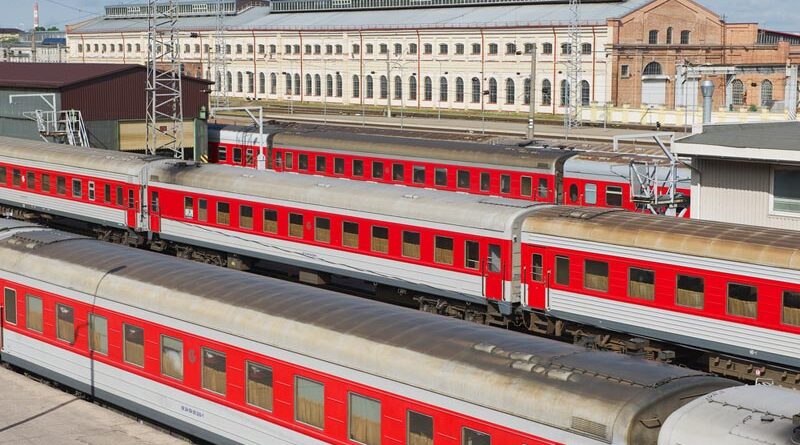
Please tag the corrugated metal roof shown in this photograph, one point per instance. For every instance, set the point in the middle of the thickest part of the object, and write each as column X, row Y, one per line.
column 768, row 136
column 62, row 75
column 453, row 17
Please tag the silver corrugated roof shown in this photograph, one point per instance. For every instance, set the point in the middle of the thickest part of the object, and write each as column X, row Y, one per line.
column 453, row 17
column 769, row 135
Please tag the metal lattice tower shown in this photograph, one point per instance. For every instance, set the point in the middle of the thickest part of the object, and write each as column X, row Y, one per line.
column 572, row 112
column 164, row 95
column 220, row 61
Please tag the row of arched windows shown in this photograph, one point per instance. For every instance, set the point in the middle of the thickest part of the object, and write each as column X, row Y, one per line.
column 738, row 94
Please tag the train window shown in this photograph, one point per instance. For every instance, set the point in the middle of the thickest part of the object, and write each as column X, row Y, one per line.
column 472, row 255
column 462, row 179
column 302, row 162
column 295, row 225
column 358, row 167
column 33, row 313
column 134, row 345
column 791, row 308
column 526, row 186
column 505, row 184
column 321, row 164
column 188, row 207
column 590, row 193
column 338, row 166
column 223, row 213
column 3, row 175
column 154, row 202
column 259, row 386
column 77, row 188
column 562, row 270
column 537, row 267
column 380, row 239
column 573, row 193
column 278, row 159
column 411, row 244
column 350, row 234
column 222, row 154
column 246, row 217
column 106, row 191
column 364, row 420
column 214, row 371
column 65, row 323
column 472, row 437
column 689, row 291
column 131, row 200
column 249, row 157
column 377, row 170
column 10, row 305
column 16, row 178
column 486, row 182
column 595, row 275
column 120, row 197
column 30, row 180
column 641, row 283
column 742, row 300
column 92, row 195
column 171, row 357
column 98, row 334
column 418, row 174
column 61, row 185
column 397, row 172
column 440, row 177
column 309, row 405
column 443, row 250
column 288, row 161
column 237, row 155
column 322, row 230
column 494, row 258
column 614, row 196
column 202, row 210
column 543, row 188
column 270, row 221
column 420, row 429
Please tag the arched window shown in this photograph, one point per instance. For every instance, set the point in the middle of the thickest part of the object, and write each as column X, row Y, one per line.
column 652, row 69
column 239, row 82
column 370, row 87
column 229, row 82
column 443, row 89
column 586, row 48
column 251, row 81
column 527, row 91
column 492, row 91
column 262, row 83
column 428, row 89
column 476, row 90
column 317, row 85
column 737, row 88
column 547, row 92
column 339, row 86
column 510, row 91
column 273, row 83
column 511, row 48
column 384, row 87
column 685, row 37
column 412, row 88
column 566, row 48
column 309, row 85
column 288, row 81
column 652, row 37
column 586, row 93
column 669, row 36
column 564, row 92
column 356, row 86
column 459, row 90
column 329, row 85
column 398, row 87
column 297, row 85
column 766, row 93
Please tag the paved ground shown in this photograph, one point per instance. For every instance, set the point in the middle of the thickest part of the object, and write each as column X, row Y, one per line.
column 32, row 413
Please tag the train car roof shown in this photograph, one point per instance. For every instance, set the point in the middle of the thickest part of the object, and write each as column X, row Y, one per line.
column 337, row 195
column 553, row 383
column 725, row 241
column 51, row 155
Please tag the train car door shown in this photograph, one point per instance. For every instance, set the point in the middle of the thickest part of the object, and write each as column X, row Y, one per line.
column 536, row 277
column 493, row 282
column 155, row 212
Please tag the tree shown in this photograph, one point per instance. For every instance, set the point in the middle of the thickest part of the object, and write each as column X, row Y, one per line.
column 40, row 28
column 53, row 28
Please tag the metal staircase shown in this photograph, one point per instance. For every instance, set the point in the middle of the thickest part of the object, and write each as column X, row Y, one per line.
column 61, row 127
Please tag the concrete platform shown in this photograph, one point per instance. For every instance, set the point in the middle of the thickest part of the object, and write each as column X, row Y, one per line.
column 32, row 413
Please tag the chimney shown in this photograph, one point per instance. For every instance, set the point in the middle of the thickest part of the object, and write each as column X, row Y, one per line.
column 35, row 15
column 707, row 88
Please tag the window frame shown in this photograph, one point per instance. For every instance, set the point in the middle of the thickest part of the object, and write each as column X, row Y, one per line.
column 296, row 392
column 772, row 210
column 161, row 357
column 12, row 293
column 415, row 255
column 728, row 298
column 678, row 288
column 409, row 413
column 28, row 317
column 71, row 310
column 203, row 351
column 92, row 328
column 373, row 237
column 651, row 272
column 125, row 327
column 247, row 380
column 586, row 264
column 464, row 430
column 317, row 238
column 557, row 268
column 292, row 225
column 436, row 248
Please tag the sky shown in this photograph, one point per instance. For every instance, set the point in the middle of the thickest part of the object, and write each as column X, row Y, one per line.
column 780, row 15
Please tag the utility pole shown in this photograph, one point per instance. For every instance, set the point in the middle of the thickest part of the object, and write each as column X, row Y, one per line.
column 388, row 86
column 572, row 117
column 220, row 59
column 532, row 95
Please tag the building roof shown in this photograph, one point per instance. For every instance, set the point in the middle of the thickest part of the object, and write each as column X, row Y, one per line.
column 60, row 75
column 260, row 18
column 11, row 31
column 773, row 141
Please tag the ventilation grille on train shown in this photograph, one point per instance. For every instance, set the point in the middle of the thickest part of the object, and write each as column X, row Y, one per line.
column 34, row 239
column 589, row 427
